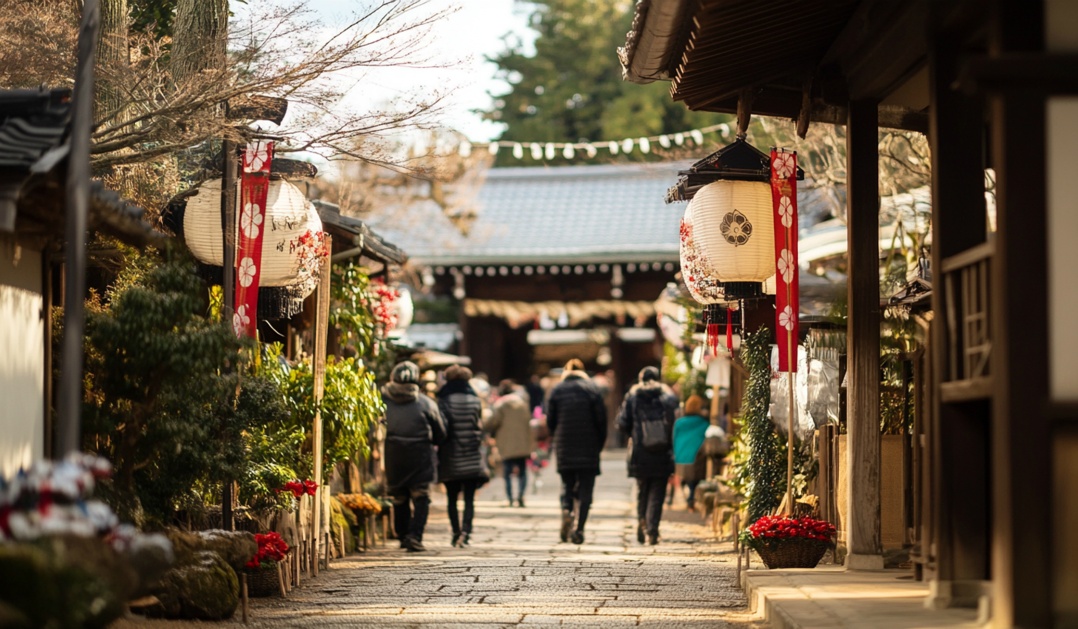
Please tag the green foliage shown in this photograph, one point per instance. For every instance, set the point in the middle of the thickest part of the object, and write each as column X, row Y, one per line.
column 351, row 310
column 350, row 406
column 353, row 314
column 766, row 464
column 571, row 88
column 152, row 16
column 157, row 391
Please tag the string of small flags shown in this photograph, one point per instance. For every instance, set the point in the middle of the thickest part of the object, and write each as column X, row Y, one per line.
column 572, row 150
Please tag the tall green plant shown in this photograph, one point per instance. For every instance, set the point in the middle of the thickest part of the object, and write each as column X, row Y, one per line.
column 158, row 397
column 767, row 450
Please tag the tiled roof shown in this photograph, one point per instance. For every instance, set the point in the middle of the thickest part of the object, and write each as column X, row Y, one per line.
column 609, row 213
column 34, row 129
column 359, row 233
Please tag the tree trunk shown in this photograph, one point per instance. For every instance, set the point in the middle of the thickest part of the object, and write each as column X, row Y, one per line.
column 112, row 55
column 200, row 35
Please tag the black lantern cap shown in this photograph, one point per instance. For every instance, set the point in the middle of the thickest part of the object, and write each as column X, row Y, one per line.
column 740, row 161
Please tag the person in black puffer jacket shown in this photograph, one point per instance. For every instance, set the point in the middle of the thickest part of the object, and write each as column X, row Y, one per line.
column 460, row 462
column 649, row 401
column 576, row 418
column 413, row 427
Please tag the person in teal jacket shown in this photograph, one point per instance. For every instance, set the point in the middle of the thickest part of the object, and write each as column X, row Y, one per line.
column 690, row 462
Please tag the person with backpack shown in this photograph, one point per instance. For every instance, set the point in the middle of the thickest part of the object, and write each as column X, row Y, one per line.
column 647, row 418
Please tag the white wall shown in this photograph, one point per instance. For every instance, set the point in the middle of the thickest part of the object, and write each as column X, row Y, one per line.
column 1062, row 142
column 1061, row 28
column 22, row 359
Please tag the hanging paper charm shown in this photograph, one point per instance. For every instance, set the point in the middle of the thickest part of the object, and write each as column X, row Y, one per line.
column 784, row 200
column 254, row 188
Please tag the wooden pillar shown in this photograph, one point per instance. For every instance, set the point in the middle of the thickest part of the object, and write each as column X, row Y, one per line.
column 321, row 326
column 959, row 428
column 1021, row 439
column 863, row 334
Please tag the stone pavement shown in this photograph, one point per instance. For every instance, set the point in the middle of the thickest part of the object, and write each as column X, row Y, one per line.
column 516, row 573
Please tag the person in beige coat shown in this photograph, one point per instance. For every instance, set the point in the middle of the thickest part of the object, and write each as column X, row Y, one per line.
column 510, row 425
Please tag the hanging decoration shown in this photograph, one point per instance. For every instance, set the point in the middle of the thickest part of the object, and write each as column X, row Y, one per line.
column 732, row 221
column 290, row 243
column 589, row 150
column 254, row 187
column 784, row 198
column 702, row 284
column 784, row 203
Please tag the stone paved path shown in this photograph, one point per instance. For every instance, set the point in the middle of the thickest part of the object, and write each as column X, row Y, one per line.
column 516, row 573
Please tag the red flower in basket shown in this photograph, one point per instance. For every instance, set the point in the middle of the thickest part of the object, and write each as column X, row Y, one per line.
column 785, row 542
column 271, row 549
column 310, row 487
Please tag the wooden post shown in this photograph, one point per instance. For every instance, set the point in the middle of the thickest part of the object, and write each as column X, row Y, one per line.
column 228, row 276
column 958, row 431
column 321, row 325
column 863, row 424
column 1021, row 443
column 77, row 200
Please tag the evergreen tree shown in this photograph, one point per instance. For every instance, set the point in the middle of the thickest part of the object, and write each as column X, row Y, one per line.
column 571, row 89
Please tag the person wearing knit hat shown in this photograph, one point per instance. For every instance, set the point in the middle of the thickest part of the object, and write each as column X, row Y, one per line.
column 647, row 417
column 414, row 426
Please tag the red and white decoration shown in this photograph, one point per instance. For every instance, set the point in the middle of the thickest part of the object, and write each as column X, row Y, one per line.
column 784, row 201
column 254, row 188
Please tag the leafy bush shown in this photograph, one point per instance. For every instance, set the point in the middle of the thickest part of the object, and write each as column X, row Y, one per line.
column 158, row 391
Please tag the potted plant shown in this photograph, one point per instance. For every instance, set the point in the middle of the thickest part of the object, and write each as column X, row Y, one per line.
column 788, row 542
column 263, row 576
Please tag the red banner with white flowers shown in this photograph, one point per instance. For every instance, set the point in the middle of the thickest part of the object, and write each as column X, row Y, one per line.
column 254, row 188
column 784, row 199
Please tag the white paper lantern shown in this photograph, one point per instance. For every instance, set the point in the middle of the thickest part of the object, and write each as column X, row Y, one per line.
column 404, row 309
column 289, row 215
column 734, row 230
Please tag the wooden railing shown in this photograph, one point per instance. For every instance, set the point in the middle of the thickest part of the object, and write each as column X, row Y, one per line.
column 967, row 319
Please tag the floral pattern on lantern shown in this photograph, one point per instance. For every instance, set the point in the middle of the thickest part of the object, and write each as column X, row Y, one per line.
column 736, row 229
column 703, row 287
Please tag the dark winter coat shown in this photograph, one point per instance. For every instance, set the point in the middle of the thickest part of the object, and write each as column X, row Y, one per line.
column 648, row 400
column 413, row 427
column 576, row 418
column 459, row 458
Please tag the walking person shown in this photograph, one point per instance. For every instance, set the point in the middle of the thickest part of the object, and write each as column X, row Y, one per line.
column 647, row 417
column 576, row 419
column 460, row 460
column 510, row 425
column 413, row 427
column 690, row 462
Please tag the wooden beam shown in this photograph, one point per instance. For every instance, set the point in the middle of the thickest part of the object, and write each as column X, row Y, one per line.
column 863, row 338
column 1022, row 552
column 1044, row 73
column 744, row 112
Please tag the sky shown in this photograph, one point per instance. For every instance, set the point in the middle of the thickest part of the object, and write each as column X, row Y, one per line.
column 474, row 29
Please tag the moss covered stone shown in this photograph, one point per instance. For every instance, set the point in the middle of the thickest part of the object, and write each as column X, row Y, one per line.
column 206, row 588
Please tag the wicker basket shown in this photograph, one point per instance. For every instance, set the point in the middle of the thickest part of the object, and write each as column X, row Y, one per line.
column 263, row 581
column 796, row 552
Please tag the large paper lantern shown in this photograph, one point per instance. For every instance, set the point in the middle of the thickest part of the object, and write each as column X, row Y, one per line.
column 291, row 247
column 734, row 231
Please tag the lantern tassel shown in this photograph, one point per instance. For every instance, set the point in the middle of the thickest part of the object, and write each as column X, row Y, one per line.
column 730, row 331
column 713, row 338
